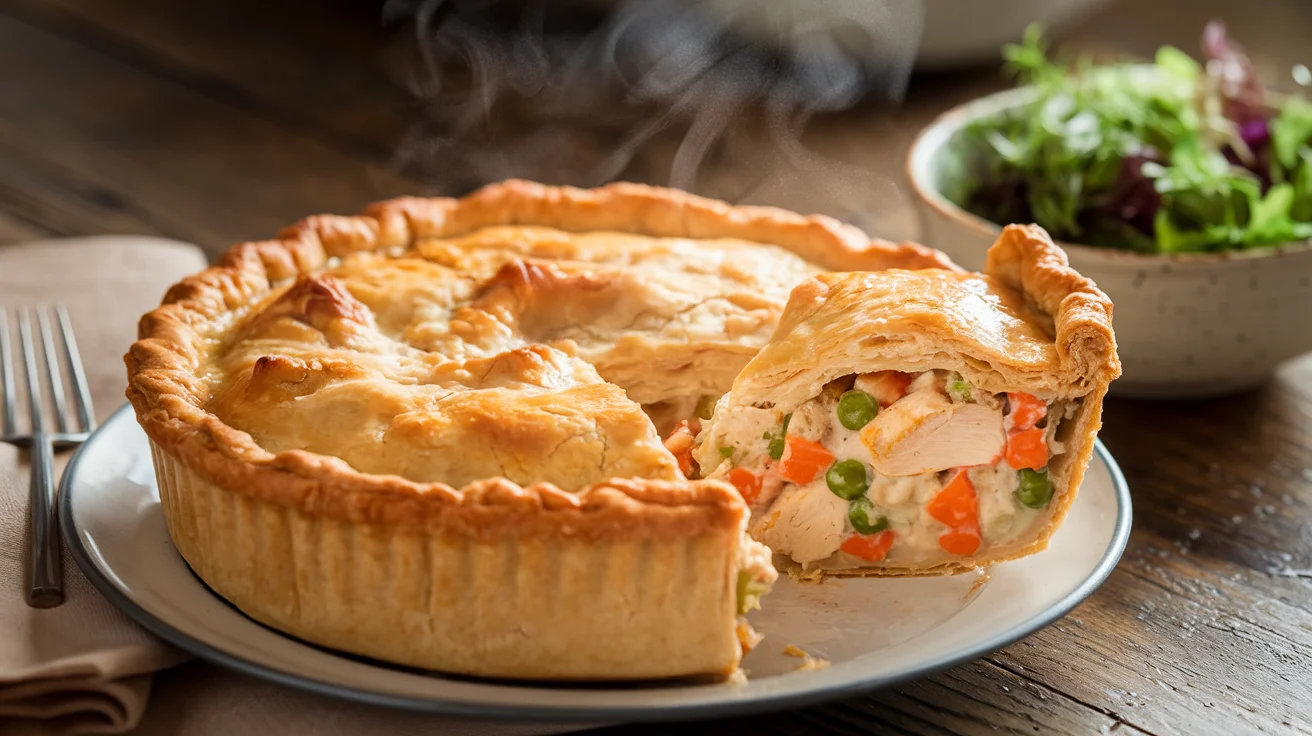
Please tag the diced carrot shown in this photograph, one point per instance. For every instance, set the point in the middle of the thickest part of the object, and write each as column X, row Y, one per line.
column 1026, row 410
column 963, row 540
column 685, row 462
column 679, row 443
column 747, row 483
column 885, row 386
column 683, row 427
column 956, row 505
column 869, row 547
column 803, row 460
column 1027, row 449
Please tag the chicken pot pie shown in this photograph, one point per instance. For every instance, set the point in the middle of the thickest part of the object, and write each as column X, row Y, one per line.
column 920, row 421
column 429, row 434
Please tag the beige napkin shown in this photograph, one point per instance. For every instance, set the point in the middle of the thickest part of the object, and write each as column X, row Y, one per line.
column 84, row 667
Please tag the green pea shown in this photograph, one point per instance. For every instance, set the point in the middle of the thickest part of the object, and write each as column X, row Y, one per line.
column 960, row 389
column 847, row 479
column 861, row 512
column 776, row 446
column 727, row 452
column 1035, row 488
column 750, row 591
column 856, row 409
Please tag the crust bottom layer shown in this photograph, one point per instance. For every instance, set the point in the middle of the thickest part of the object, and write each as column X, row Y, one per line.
column 520, row 608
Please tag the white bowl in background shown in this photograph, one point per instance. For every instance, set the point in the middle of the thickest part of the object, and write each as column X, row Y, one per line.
column 1187, row 325
column 959, row 33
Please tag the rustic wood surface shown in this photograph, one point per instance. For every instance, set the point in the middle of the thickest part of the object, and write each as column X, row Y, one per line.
column 219, row 121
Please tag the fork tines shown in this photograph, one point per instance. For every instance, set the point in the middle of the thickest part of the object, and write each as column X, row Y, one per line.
column 41, row 323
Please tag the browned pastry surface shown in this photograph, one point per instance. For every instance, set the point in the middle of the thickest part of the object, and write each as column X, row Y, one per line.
column 1029, row 324
column 477, row 370
column 436, row 324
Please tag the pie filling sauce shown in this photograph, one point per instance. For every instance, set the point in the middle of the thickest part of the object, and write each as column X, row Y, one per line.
column 894, row 467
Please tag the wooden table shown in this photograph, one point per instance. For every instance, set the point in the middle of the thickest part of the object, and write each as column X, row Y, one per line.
column 220, row 121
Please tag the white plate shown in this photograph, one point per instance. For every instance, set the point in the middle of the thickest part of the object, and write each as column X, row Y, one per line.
column 875, row 632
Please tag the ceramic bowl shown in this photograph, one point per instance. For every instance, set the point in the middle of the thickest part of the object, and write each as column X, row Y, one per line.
column 1187, row 325
column 961, row 33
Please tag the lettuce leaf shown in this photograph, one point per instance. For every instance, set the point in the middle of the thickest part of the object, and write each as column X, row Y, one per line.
column 1168, row 159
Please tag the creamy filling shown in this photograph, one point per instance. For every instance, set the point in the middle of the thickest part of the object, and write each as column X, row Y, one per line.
column 892, row 468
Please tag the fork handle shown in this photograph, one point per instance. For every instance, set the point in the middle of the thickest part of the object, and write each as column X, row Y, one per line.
column 47, row 590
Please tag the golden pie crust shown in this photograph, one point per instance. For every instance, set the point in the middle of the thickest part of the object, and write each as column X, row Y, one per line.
column 419, row 435
column 1029, row 323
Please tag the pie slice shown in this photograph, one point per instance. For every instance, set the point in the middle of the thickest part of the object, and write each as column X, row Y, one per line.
column 909, row 422
column 431, row 434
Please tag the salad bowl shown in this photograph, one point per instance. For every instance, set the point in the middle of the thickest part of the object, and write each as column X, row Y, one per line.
column 1188, row 324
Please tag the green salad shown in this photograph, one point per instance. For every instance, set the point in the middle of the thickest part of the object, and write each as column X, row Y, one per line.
column 1171, row 157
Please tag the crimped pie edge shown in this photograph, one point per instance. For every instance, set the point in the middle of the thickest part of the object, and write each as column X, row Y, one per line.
column 169, row 399
column 522, row 607
column 1023, row 258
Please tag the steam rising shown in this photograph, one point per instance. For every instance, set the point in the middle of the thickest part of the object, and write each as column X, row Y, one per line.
column 709, row 96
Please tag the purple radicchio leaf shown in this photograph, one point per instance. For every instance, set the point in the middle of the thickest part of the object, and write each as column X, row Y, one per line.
column 1132, row 199
column 1256, row 135
column 1242, row 96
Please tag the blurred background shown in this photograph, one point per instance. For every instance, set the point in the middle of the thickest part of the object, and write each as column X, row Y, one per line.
column 218, row 121
column 214, row 122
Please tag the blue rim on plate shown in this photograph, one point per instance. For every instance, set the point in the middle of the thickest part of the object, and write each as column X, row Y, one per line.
column 186, row 642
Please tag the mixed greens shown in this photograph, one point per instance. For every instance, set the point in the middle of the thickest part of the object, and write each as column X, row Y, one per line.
column 1175, row 156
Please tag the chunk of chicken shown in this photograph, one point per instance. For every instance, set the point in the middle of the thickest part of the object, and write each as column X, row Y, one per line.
column 885, row 386
column 925, row 432
column 739, row 431
column 806, row 523
column 812, row 419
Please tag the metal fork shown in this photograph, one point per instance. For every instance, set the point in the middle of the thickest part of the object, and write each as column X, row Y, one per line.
column 46, row 589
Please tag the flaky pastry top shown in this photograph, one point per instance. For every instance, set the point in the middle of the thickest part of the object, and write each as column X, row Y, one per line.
column 457, row 362
column 1029, row 323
